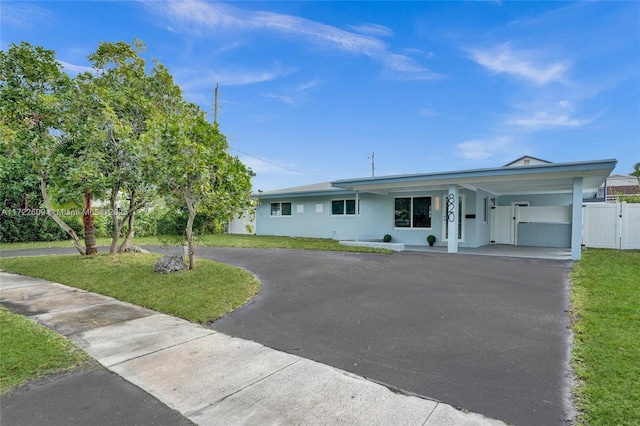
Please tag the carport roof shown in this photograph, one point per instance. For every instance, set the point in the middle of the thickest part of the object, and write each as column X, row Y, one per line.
column 512, row 180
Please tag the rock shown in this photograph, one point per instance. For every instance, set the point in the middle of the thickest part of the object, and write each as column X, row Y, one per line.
column 135, row 249
column 170, row 263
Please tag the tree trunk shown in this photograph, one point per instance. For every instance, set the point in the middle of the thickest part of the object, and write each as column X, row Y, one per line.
column 130, row 233
column 115, row 232
column 52, row 214
column 89, row 231
column 189, row 231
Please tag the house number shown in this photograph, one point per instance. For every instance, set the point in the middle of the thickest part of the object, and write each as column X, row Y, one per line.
column 451, row 205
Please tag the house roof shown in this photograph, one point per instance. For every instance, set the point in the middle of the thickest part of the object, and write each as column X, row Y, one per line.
column 539, row 178
column 531, row 179
column 323, row 188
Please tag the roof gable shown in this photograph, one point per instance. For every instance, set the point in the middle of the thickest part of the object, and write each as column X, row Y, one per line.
column 526, row 160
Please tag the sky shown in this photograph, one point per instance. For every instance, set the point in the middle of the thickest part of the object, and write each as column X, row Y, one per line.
column 310, row 91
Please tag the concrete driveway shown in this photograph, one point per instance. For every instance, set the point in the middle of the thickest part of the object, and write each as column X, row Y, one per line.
column 486, row 334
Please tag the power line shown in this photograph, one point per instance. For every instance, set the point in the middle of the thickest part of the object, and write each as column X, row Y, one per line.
column 278, row 165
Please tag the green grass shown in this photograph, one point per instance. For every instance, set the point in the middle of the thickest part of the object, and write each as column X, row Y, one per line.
column 28, row 351
column 295, row 243
column 606, row 354
column 225, row 240
column 201, row 295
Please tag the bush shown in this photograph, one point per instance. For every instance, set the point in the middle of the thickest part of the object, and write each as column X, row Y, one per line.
column 386, row 238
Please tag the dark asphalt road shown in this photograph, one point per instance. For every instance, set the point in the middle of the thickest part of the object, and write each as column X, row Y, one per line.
column 87, row 396
column 487, row 334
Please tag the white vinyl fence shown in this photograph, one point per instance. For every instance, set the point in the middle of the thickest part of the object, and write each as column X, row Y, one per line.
column 611, row 225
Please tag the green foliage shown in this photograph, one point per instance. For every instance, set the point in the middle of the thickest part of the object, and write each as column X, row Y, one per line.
column 386, row 238
column 631, row 199
column 196, row 172
column 606, row 348
column 32, row 113
column 431, row 239
column 30, row 351
column 636, row 172
column 119, row 134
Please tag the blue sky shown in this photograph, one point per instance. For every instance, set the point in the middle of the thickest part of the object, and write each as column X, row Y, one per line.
column 309, row 90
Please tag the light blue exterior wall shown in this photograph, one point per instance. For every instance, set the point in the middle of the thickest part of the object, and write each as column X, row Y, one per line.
column 376, row 217
column 309, row 223
column 537, row 199
column 375, row 220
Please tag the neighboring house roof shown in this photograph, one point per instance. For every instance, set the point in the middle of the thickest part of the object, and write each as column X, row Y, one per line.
column 621, row 184
column 526, row 160
column 323, row 188
column 622, row 180
column 531, row 179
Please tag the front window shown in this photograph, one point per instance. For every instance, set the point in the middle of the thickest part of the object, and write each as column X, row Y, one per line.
column 280, row 209
column 413, row 212
column 343, row 207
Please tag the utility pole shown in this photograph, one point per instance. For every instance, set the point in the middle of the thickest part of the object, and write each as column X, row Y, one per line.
column 373, row 166
column 215, row 107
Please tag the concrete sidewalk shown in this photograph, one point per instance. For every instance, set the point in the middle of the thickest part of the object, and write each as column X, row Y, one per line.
column 212, row 378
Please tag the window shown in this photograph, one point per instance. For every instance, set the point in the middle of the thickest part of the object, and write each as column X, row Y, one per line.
column 343, row 207
column 280, row 209
column 413, row 212
column 485, row 209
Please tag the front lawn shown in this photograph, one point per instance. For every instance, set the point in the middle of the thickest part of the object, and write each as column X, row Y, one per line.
column 221, row 240
column 606, row 353
column 201, row 295
column 28, row 351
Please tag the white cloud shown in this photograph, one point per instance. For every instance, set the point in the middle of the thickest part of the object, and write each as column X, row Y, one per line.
column 223, row 16
column 307, row 86
column 541, row 117
column 190, row 79
column 478, row 149
column 76, row 69
column 21, row 15
column 372, row 30
column 217, row 16
column 405, row 68
column 523, row 64
column 427, row 112
column 544, row 120
column 282, row 98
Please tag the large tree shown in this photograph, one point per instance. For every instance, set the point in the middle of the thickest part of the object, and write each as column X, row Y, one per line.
column 111, row 110
column 32, row 91
column 195, row 169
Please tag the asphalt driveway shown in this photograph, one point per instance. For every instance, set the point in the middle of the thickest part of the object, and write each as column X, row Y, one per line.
column 487, row 334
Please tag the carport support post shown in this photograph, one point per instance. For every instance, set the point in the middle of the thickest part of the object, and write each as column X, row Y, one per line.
column 451, row 216
column 576, row 219
column 357, row 217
